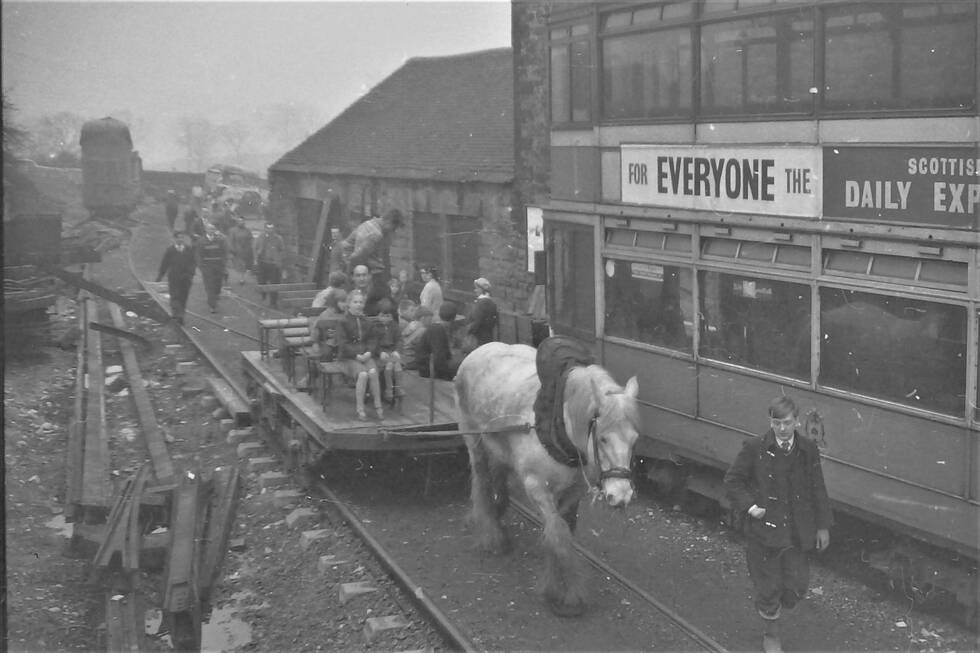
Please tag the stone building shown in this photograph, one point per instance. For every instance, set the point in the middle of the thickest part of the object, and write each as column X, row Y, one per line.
column 436, row 141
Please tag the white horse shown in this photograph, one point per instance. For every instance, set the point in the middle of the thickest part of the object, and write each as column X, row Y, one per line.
column 496, row 386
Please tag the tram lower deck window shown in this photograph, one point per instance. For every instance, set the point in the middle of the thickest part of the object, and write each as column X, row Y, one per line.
column 759, row 323
column 905, row 350
column 650, row 303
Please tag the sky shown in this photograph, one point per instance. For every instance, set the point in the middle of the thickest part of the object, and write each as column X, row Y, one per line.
column 156, row 62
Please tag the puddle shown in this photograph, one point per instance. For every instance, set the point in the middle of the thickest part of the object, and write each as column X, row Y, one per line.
column 224, row 632
column 58, row 523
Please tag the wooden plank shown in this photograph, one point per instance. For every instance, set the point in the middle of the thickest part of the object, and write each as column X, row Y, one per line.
column 120, row 333
column 76, row 429
column 95, row 472
column 156, row 445
column 281, row 287
column 236, row 407
column 224, row 504
column 299, row 294
column 181, row 605
column 150, row 310
column 123, row 631
column 321, row 232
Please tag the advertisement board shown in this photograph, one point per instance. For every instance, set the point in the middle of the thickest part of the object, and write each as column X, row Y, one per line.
column 935, row 186
column 729, row 179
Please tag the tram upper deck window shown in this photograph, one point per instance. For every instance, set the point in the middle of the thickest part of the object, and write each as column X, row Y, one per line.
column 900, row 55
column 762, row 64
column 647, row 75
column 904, row 350
column 755, row 322
column 572, row 280
column 650, row 303
column 571, row 75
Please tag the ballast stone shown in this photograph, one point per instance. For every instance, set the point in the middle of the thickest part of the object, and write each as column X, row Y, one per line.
column 248, row 449
column 307, row 539
column 262, row 464
column 302, row 518
column 284, row 498
column 273, row 480
column 325, row 562
column 374, row 626
column 236, row 436
column 350, row 590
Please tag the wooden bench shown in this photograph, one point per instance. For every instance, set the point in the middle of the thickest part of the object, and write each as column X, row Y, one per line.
column 267, row 327
column 292, row 341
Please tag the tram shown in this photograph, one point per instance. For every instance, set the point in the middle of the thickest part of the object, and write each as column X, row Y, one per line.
column 111, row 170
column 756, row 197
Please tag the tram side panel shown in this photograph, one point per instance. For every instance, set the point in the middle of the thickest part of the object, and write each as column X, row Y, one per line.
column 891, row 467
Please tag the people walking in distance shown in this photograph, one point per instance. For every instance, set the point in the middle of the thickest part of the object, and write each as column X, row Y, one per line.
column 431, row 295
column 240, row 242
column 335, row 280
column 433, row 353
column 179, row 264
column 357, row 344
column 212, row 255
column 270, row 252
column 368, row 245
column 482, row 325
column 776, row 486
column 171, row 207
column 389, row 344
column 193, row 224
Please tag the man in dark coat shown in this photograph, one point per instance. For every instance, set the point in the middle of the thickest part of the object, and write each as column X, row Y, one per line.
column 212, row 254
column 776, row 485
column 179, row 264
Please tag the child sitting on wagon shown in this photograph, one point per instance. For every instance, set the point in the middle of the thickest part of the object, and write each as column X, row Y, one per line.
column 323, row 327
column 358, row 345
column 389, row 340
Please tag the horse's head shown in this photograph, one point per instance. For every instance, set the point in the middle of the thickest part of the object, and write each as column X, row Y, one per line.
column 614, row 434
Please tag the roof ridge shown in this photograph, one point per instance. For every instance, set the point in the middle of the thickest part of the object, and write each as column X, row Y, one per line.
column 459, row 55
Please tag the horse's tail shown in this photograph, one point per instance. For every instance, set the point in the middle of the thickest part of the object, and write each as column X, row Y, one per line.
column 462, row 393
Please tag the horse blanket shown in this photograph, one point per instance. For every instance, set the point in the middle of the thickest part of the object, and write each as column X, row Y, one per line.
column 556, row 356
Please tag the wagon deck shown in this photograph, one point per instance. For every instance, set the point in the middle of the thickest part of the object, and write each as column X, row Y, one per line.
column 423, row 422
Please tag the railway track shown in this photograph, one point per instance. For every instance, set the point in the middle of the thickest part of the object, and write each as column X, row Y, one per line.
column 428, row 600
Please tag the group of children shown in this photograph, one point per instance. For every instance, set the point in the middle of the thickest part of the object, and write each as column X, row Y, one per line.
column 378, row 341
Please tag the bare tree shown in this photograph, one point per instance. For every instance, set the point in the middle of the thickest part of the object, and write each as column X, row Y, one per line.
column 197, row 136
column 288, row 123
column 235, row 134
column 15, row 138
column 58, row 135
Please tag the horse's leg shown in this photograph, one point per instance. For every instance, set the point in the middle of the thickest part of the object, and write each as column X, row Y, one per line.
column 501, row 493
column 568, row 509
column 484, row 511
column 564, row 579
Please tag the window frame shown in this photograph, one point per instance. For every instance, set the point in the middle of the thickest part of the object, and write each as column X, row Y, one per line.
column 817, row 108
column 568, row 42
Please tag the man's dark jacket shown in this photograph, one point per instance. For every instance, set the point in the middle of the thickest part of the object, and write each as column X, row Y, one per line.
column 750, row 481
column 178, row 266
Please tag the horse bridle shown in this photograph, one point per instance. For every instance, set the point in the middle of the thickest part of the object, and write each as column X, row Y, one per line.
column 612, row 472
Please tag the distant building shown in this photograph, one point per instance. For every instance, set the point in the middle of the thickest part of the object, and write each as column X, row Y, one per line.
column 435, row 140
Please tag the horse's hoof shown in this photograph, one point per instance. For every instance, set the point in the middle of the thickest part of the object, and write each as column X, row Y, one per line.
column 567, row 610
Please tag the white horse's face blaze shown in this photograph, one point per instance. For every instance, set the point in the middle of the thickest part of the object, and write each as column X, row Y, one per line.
column 617, row 435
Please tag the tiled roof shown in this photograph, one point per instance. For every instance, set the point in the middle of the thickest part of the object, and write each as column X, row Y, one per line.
column 444, row 118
